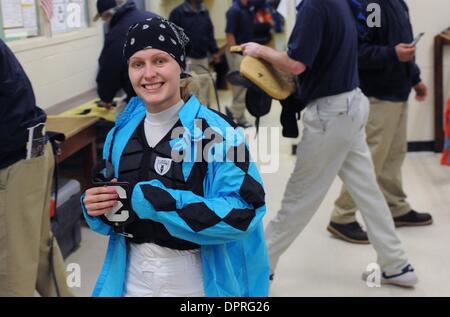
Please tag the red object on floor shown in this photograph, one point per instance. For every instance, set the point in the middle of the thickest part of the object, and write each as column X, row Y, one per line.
column 445, row 160
column 52, row 207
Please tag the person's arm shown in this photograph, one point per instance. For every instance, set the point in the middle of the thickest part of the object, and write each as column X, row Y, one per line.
column 280, row 60
column 93, row 221
column 231, row 40
column 174, row 17
column 213, row 49
column 304, row 43
column 415, row 76
column 420, row 88
column 373, row 55
column 377, row 56
column 110, row 69
column 231, row 27
column 233, row 209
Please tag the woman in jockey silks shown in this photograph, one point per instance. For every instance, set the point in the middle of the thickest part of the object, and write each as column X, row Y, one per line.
column 196, row 200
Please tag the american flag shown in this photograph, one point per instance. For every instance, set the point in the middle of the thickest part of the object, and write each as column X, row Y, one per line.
column 47, row 7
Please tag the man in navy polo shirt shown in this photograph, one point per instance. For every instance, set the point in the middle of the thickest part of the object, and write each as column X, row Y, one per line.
column 323, row 52
column 30, row 258
column 193, row 17
column 239, row 29
column 388, row 73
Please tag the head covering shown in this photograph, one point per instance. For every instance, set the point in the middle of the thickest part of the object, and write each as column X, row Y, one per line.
column 103, row 6
column 157, row 33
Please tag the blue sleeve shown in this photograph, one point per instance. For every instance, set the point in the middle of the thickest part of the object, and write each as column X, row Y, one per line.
column 232, row 21
column 95, row 223
column 306, row 37
column 233, row 208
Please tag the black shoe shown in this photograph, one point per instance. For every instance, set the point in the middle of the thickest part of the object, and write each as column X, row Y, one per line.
column 413, row 218
column 350, row 232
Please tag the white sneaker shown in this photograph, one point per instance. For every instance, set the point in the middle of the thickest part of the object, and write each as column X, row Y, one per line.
column 406, row 278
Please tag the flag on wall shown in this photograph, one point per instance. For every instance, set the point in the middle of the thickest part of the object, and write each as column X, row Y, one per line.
column 47, row 7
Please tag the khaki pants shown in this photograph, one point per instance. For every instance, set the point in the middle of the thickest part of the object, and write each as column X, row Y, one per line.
column 386, row 137
column 25, row 234
column 204, row 79
column 334, row 143
column 238, row 106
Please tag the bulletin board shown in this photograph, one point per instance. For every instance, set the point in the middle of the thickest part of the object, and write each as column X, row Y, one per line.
column 19, row 19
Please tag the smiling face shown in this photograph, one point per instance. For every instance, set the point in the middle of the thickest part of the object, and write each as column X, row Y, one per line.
column 155, row 77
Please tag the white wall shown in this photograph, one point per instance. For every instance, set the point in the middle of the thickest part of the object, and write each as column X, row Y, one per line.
column 431, row 17
column 63, row 66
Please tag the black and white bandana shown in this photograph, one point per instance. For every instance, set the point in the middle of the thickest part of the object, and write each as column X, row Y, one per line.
column 157, row 33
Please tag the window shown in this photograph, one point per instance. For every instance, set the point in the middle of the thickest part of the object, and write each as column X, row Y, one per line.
column 21, row 19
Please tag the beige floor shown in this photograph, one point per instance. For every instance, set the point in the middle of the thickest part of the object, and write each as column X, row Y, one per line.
column 319, row 265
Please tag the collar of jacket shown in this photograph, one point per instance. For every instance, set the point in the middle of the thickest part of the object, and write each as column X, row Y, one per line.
column 187, row 8
column 136, row 107
column 128, row 6
column 130, row 118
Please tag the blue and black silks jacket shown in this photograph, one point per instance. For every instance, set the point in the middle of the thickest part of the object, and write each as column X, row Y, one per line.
column 226, row 221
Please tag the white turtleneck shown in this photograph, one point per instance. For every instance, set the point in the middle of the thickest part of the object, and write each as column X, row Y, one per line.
column 157, row 125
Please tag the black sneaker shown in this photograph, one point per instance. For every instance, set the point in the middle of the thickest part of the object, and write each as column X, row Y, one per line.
column 350, row 232
column 413, row 218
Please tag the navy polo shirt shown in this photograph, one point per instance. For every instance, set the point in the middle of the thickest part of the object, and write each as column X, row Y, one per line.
column 325, row 39
column 240, row 22
column 18, row 109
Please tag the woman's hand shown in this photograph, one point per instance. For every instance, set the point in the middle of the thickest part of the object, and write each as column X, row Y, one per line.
column 100, row 200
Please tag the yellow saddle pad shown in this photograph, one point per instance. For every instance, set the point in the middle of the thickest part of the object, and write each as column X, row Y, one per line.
column 90, row 109
column 275, row 83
